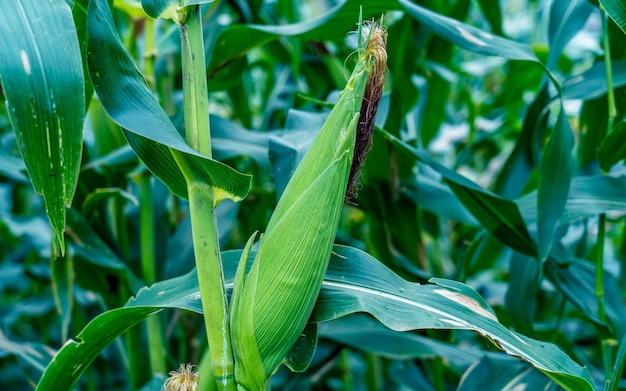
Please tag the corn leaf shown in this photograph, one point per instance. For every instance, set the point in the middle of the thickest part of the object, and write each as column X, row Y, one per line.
column 588, row 196
column 42, row 76
column 501, row 217
column 469, row 37
column 617, row 11
column 167, row 9
column 592, row 83
column 613, row 149
column 127, row 99
column 238, row 39
column 354, row 282
column 77, row 354
column 554, row 182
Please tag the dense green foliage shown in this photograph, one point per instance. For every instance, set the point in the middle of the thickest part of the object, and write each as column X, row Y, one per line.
column 486, row 246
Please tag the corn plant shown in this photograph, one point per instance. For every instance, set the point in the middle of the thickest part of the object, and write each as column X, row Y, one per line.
column 288, row 195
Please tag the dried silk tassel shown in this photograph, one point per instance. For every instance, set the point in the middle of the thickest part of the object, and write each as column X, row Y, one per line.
column 376, row 37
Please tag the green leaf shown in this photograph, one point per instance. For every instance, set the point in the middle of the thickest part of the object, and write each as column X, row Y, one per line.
column 77, row 354
column 588, row 196
column 592, row 83
column 617, row 11
column 520, row 163
column 366, row 334
column 62, row 271
column 468, row 37
column 438, row 199
column 501, row 217
column 497, row 373
column 36, row 355
column 357, row 282
column 12, row 167
column 94, row 260
column 93, row 200
column 618, row 366
column 554, row 181
column 168, row 9
column 238, row 39
column 42, row 78
column 521, row 294
column 130, row 103
column 575, row 278
column 302, row 352
column 566, row 19
column 613, row 149
column 493, row 13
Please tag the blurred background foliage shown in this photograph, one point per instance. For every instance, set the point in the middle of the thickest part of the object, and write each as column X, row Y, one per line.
column 271, row 67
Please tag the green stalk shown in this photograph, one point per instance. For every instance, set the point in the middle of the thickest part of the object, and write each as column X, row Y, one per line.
column 148, row 267
column 201, row 202
column 348, row 377
column 612, row 112
column 374, row 375
column 599, row 290
column 606, row 343
column 156, row 349
column 195, row 91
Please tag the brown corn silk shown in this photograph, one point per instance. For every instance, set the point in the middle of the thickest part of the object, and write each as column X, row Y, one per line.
column 376, row 51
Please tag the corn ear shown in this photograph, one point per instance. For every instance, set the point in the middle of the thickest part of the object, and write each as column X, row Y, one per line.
column 272, row 305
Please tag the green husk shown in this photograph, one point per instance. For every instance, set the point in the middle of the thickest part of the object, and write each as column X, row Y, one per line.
column 276, row 300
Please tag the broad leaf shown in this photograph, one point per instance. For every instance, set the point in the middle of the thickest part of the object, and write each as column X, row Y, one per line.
column 42, row 76
column 128, row 100
column 355, row 282
column 77, row 354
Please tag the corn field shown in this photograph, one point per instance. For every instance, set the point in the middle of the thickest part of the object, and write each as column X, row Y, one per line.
column 312, row 195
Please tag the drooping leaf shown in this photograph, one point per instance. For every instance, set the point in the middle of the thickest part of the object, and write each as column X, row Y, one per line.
column 555, row 176
column 588, row 196
column 501, row 217
column 130, row 103
column 566, row 19
column 592, row 83
column 42, row 77
column 77, row 354
column 355, row 282
column 469, row 37
column 575, row 278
